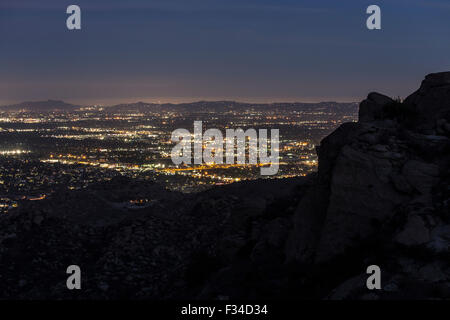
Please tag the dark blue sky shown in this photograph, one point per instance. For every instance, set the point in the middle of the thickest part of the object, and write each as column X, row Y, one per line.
column 253, row 50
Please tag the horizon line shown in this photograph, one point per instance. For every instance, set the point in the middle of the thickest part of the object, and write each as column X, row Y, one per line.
column 177, row 101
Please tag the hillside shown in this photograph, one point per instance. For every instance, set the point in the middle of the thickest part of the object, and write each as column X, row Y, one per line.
column 41, row 106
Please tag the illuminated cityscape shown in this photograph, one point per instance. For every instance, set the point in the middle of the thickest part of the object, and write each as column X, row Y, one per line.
column 42, row 151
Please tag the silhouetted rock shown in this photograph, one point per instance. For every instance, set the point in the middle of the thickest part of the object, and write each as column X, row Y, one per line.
column 387, row 183
column 431, row 101
column 373, row 107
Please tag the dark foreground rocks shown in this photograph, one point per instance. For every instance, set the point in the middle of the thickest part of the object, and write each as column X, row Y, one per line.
column 385, row 182
column 380, row 197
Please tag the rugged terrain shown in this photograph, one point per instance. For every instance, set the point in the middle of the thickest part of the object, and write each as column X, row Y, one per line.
column 380, row 196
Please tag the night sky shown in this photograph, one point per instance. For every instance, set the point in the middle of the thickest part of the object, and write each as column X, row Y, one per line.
column 248, row 50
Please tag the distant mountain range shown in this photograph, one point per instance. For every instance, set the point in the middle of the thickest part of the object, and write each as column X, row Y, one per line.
column 218, row 106
column 221, row 106
column 41, row 106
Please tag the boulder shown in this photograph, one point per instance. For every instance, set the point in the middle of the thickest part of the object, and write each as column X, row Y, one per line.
column 414, row 233
column 432, row 100
column 372, row 108
column 440, row 239
column 360, row 194
column 331, row 146
column 308, row 222
column 422, row 176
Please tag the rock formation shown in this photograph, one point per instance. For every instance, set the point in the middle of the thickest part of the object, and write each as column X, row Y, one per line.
column 386, row 180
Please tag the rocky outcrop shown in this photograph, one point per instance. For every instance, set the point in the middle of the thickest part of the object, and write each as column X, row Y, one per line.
column 373, row 107
column 386, row 181
column 432, row 103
